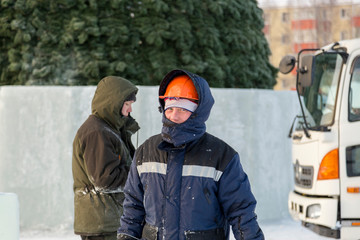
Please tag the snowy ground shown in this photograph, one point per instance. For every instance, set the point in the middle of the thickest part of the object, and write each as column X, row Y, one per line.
column 275, row 230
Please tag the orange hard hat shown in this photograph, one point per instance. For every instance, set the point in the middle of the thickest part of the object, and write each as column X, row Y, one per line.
column 181, row 87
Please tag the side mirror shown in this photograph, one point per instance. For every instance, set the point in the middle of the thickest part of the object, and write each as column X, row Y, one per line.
column 287, row 64
column 305, row 73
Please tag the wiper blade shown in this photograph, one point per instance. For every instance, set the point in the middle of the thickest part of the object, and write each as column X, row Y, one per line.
column 305, row 130
column 303, row 125
column 321, row 128
column 292, row 125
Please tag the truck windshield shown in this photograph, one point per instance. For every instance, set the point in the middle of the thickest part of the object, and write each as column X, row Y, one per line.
column 320, row 97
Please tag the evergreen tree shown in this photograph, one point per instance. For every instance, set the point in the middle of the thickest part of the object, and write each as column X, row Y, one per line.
column 78, row 42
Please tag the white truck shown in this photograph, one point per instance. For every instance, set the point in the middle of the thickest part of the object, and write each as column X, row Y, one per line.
column 326, row 139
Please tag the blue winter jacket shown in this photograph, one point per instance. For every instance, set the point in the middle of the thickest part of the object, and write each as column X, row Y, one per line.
column 186, row 183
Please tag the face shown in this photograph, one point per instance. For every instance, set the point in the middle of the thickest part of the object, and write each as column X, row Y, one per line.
column 177, row 115
column 126, row 109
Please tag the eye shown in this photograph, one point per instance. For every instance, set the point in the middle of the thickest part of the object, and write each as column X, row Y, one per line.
column 184, row 110
column 128, row 103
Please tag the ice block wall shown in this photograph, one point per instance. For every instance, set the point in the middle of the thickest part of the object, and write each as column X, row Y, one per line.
column 38, row 124
column 9, row 216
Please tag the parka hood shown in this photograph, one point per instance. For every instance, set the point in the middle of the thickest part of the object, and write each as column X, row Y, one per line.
column 194, row 127
column 109, row 98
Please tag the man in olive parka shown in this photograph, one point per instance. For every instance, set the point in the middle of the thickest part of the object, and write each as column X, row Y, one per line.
column 102, row 154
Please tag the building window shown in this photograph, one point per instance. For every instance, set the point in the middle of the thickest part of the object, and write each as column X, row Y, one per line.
column 266, row 18
column 324, row 14
column 285, row 17
column 343, row 35
column 357, row 32
column 343, row 13
column 285, row 39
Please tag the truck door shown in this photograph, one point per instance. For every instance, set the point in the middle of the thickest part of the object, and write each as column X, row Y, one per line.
column 349, row 149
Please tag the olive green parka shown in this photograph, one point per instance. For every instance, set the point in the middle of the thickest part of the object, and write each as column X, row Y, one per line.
column 102, row 154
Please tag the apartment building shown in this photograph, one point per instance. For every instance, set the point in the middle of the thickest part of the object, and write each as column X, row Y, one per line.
column 291, row 25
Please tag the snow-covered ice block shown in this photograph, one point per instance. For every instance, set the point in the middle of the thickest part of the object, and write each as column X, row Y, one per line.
column 9, row 216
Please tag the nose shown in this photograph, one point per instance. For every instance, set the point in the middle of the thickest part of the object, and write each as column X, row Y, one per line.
column 174, row 115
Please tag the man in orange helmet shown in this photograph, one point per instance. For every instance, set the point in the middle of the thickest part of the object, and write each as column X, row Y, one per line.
column 185, row 183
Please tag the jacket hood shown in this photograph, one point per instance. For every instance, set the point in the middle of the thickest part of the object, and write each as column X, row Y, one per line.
column 194, row 127
column 109, row 98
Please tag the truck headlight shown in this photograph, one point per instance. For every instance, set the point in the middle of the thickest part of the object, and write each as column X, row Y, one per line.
column 313, row 211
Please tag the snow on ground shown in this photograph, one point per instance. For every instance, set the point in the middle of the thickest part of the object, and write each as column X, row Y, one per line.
column 274, row 230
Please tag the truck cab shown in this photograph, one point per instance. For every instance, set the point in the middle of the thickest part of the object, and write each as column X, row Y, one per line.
column 326, row 139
